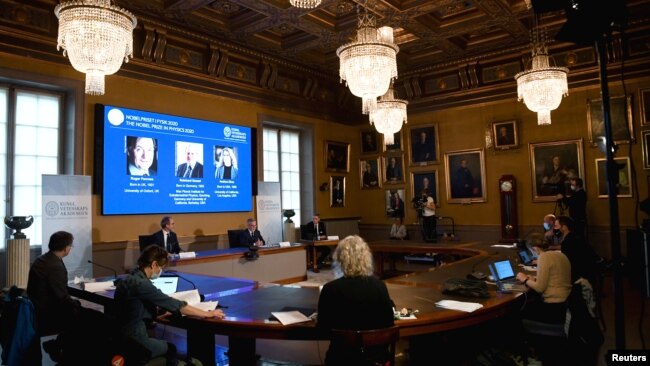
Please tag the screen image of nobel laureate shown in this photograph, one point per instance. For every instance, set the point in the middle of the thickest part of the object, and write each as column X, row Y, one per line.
column 225, row 161
column 141, row 156
column 191, row 166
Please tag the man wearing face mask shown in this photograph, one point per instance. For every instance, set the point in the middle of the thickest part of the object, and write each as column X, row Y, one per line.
column 577, row 204
column 549, row 232
column 582, row 256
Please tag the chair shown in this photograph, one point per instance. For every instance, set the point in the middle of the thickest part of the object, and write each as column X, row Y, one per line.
column 145, row 241
column 304, row 234
column 579, row 332
column 362, row 339
column 233, row 238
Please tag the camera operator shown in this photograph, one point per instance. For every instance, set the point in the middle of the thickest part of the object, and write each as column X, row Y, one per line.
column 429, row 217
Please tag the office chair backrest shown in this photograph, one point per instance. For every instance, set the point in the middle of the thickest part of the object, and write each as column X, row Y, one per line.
column 233, row 237
column 304, row 234
column 145, row 241
column 360, row 339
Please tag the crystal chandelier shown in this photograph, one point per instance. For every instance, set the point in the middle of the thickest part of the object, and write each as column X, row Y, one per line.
column 542, row 86
column 97, row 37
column 368, row 65
column 389, row 115
column 307, row 4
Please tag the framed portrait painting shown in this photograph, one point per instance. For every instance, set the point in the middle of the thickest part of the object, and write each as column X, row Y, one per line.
column 395, row 202
column 644, row 104
column 424, row 145
column 369, row 173
column 465, row 176
column 370, row 142
column 397, row 142
column 621, row 117
column 337, row 191
column 393, row 168
column 420, row 181
column 505, row 135
column 552, row 165
column 337, row 156
column 624, row 187
column 645, row 142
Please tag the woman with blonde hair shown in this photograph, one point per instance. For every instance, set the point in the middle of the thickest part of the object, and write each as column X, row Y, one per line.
column 228, row 167
column 356, row 301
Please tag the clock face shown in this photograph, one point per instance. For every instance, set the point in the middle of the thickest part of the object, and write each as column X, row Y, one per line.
column 506, row 186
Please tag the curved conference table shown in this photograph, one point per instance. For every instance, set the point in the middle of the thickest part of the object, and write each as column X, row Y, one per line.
column 248, row 304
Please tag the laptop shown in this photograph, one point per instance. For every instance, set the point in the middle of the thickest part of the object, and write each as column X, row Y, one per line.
column 504, row 276
column 527, row 257
column 167, row 285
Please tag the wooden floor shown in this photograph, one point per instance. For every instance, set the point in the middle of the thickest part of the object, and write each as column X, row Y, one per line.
column 637, row 319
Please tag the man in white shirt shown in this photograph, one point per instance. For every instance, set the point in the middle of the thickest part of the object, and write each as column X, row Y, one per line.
column 166, row 237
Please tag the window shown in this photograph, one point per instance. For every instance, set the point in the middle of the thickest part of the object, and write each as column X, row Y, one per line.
column 282, row 164
column 30, row 131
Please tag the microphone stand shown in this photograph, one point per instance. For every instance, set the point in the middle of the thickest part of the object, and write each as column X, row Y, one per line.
column 105, row 267
column 188, row 280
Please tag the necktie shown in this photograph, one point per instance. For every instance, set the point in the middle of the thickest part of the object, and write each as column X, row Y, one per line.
column 317, row 233
column 188, row 172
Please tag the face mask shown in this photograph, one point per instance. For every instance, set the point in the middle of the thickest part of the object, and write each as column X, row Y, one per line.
column 573, row 188
column 557, row 233
column 547, row 226
column 155, row 275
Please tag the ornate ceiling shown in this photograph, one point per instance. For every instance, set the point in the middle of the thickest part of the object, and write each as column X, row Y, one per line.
column 451, row 51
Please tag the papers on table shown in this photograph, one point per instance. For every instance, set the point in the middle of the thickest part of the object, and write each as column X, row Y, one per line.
column 285, row 244
column 193, row 298
column 530, row 268
column 184, row 255
column 290, row 317
column 511, row 246
column 467, row 307
column 98, row 286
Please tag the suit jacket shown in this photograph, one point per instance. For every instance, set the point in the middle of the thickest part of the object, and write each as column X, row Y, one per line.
column 246, row 240
column 310, row 230
column 47, row 287
column 172, row 241
column 577, row 204
column 197, row 172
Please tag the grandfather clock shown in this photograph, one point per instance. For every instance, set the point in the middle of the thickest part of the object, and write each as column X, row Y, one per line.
column 509, row 222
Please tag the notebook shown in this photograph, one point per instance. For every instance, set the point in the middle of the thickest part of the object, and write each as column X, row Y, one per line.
column 167, row 285
column 504, row 276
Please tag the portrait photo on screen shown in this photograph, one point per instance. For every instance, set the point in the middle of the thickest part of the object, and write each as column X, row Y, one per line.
column 141, row 156
column 189, row 160
column 225, row 162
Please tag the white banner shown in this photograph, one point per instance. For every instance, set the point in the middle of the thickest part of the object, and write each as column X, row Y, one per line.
column 67, row 207
column 269, row 212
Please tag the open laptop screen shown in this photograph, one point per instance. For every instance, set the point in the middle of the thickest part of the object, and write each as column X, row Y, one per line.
column 167, row 285
column 503, row 270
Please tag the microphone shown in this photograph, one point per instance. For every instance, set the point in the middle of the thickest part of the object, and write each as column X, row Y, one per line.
column 478, row 275
column 105, row 267
column 188, row 280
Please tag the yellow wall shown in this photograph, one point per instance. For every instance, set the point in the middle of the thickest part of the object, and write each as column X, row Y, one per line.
column 462, row 128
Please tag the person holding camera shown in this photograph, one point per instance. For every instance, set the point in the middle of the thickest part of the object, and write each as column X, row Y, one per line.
column 429, row 217
column 577, row 204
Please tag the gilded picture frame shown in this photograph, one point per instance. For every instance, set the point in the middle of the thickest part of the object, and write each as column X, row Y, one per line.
column 465, row 176
column 621, row 118
column 552, row 165
column 645, row 143
column 505, row 135
column 370, row 142
column 624, row 177
column 421, row 180
column 644, row 106
column 337, row 156
column 393, row 168
column 370, row 173
column 395, row 207
column 337, row 191
column 424, row 148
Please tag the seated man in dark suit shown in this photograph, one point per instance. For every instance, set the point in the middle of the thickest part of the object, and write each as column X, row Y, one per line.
column 251, row 236
column 166, row 238
column 315, row 230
